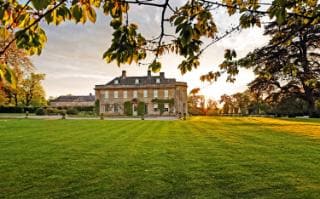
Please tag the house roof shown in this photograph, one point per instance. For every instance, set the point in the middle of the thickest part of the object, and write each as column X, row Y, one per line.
column 74, row 98
column 125, row 81
column 142, row 80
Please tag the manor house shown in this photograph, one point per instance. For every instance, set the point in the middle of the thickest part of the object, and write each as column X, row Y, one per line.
column 142, row 95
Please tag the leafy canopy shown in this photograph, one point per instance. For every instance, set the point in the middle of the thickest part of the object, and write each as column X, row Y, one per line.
column 193, row 23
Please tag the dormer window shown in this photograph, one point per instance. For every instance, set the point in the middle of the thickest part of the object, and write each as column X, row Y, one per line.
column 116, row 81
column 158, row 80
column 137, row 81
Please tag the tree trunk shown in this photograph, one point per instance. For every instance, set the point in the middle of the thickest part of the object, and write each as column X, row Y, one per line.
column 15, row 97
column 310, row 100
column 308, row 91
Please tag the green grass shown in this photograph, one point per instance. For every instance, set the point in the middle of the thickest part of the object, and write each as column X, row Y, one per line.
column 200, row 158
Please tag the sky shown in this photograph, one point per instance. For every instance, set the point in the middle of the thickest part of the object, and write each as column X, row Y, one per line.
column 73, row 64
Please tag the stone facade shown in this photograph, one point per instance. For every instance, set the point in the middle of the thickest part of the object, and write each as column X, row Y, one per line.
column 72, row 101
column 160, row 95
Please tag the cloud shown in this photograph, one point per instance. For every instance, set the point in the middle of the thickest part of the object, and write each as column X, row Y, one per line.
column 72, row 58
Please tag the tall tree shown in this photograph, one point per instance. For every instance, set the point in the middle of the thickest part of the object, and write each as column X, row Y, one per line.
column 228, row 106
column 290, row 62
column 212, row 107
column 196, row 102
column 32, row 89
column 291, row 68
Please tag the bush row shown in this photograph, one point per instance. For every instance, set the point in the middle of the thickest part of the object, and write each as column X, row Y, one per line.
column 75, row 110
column 12, row 109
column 55, row 111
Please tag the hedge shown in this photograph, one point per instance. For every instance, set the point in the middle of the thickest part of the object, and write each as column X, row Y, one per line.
column 13, row 109
column 19, row 109
column 128, row 108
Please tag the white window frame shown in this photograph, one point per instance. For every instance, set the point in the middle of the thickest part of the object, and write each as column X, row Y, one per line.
column 106, row 94
column 155, row 107
column 125, row 94
column 137, row 81
column 115, row 94
column 155, row 93
column 116, row 108
column 106, row 108
column 158, row 80
column 166, row 107
column 166, row 93
column 135, row 94
column 145, row 93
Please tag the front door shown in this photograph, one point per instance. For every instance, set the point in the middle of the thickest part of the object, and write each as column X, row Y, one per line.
column 134, row 109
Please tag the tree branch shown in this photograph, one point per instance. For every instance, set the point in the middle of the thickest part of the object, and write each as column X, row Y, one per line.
column 32, row 24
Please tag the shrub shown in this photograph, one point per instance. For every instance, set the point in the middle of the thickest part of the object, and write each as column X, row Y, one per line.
column 72, row 111
column 141, row 108
column 315, row 114
column 40, row 111
column 13, row 109
column 53, row 111
column 128, row 108
column 97, row 107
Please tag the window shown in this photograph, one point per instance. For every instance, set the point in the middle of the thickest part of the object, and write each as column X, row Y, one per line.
column 158, row 80
column 106, row 95
column 145, row 93
column 155, row 93
column 107, row 108
column 115, row 94
column 137, row 81
column 155, row 107
column 116, row 81
column 166, row 107
column 116, row 108
column 135, row 94
column 166, row 93
column 125, row 94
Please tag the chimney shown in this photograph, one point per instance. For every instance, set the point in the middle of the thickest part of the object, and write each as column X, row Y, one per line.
column 161, row 75
column 90, row 94
column 149, row 73
column 124, row 74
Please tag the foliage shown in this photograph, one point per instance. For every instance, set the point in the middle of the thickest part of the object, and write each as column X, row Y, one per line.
column 227, row 104
column 26, row 89
column 31, row 90
column 141, row 109
column 192, row 22
column 212, row 108
column 161, row 108
column 72, row 111
column 194, row 91
column 15, row 109
column 97, row 106
column 52, row 111
column 161, row 103
column 289, row 63
column 40, row 111
column 128, row 108
column 196, row 103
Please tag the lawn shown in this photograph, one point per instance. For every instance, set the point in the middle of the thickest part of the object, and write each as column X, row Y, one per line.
column 219, row 157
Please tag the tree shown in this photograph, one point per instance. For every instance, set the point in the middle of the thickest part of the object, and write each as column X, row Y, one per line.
column 227, row 104
column 32, row 92
column 212, row 107
column 288, row 69
column 241, row 102
column 192, row 22
column 289, row 63
column 196, row 102
column 22, row 77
